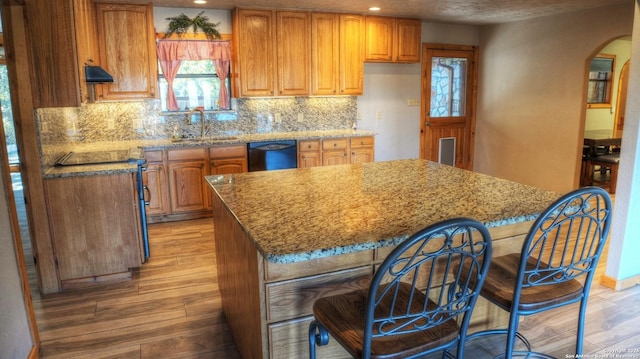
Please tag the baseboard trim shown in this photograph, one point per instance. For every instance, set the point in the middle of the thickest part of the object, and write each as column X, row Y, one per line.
column 619, row 284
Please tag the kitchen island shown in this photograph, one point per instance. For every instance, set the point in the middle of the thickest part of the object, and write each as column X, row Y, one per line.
column 285, row 238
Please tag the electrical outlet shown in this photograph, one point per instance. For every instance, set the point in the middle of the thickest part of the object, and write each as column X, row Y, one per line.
column 379, row 115
column 300, row 117
column 359, row 116
column 413, row 102
column 278, row 118
column 111, row 124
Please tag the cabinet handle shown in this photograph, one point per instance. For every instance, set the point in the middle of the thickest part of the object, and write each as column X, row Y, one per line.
column 335, row 144
column 146, row 193
column 309, row 146
column 362, row 143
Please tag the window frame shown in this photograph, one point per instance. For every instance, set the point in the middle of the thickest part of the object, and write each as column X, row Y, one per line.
column 609, row 81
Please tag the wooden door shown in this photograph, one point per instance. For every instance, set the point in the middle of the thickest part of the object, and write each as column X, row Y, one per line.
column 127, row 50
column 255, row 58
column 621, row 104
column 448, row 102
column 325, row 42
column 351, row 54
column 293, row 31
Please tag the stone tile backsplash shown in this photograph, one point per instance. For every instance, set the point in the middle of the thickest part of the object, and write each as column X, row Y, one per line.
column 143, row 120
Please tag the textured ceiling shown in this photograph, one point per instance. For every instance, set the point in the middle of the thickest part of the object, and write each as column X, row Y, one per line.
column 475, row 12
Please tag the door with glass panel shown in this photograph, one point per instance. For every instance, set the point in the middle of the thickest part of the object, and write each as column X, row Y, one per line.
column 448, row 104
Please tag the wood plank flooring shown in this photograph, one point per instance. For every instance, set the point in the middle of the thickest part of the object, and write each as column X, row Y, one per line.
column 172, row 309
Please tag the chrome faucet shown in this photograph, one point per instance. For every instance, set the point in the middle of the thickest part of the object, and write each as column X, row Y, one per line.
column 188, row 119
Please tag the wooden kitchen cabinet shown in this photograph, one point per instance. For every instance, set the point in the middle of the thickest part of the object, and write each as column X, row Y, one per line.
column 379, row 38
column 88, row 52
column 325, row 49
column 362, row 149
column 187, row 169
column 293, row 39
column 253, row 52
column 155, row 183
column 351, row 54
column 94, row 225
column 335, row 151
column 390, row 39
column 309, row 154
column 228, row 159
column 127, row 51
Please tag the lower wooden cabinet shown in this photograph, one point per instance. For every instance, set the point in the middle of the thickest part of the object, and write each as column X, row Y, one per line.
column 175, row 187
column 95, row 228
column 309, row 154
column 335, row 151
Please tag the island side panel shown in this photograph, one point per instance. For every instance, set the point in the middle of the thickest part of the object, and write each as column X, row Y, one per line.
column 240, row 280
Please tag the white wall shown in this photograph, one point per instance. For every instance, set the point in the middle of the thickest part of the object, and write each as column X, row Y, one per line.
column 388, row 87
column 15, row 335
column 531, row 94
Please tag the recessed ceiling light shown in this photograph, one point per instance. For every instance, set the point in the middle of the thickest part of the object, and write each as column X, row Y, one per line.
column 199, row 1
column 374, row 8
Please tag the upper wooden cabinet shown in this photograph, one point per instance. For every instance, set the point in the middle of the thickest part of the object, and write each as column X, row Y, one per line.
column 51, row 36
column 351, row 56
column 126, row 39
column 272, row 55
column 315, row 53
column 325, row 49
column 293, row 34
column 392, row 39
column 84, row 13
column 253, row 53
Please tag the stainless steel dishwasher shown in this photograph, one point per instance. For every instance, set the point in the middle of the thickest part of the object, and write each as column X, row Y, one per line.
column 272, row 155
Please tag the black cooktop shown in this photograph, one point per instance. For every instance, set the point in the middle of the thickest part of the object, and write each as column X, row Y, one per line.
column 100, row 157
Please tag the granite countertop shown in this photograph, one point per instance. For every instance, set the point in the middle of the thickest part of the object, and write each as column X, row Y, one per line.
column 222, row 139
column 301, row 214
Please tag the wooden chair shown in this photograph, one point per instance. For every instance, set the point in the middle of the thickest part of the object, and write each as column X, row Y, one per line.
column 555, row 267
column 417, row 302
column 610, row 161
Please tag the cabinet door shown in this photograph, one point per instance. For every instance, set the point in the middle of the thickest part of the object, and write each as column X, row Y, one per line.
column 309, row 159
column 87, row 40
column 408, row 36
column 325, row 47
column 339, row 157
column 379, row 39
column 255, row 54
column 187, row 186
column 294, row 46
column 362, row 149
column 127, row 50
column 94, row 225
column 228, row 166
column 155, row 181
column 351, row 54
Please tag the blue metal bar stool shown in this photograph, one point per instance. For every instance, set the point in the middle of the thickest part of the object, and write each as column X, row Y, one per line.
column 420, row 298
column 555, row 267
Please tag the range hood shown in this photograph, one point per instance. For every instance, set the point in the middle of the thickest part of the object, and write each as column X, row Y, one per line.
column 96, row 75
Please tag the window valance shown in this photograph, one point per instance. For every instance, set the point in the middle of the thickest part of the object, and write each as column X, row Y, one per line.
column 171, row 53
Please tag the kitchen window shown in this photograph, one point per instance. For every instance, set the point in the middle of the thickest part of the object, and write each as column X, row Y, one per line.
column 601, row 73
column 194, row 73
column 196, row 84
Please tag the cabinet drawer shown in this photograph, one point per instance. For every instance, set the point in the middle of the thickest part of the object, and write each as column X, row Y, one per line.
column 186, row 154
column 357, row 142
column 336, row 143
column 153, row 156
column 291, row 340
column 294, row 298
column 227, row 151
column 309, row 145
column 282, row 271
